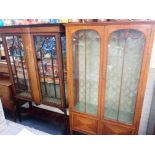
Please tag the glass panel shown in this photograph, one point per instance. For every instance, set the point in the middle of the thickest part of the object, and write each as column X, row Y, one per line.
column 131, row 73
column 86, row 59
column 48, row 68
column 125, row 53
column 2, row 53
column 18, row 63
column 113, row 75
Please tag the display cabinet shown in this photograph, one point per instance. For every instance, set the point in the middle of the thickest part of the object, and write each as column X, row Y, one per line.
column 107, row 72
column 35, row 58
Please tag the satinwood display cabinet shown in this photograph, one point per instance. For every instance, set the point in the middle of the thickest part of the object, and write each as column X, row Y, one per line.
column 107, row 66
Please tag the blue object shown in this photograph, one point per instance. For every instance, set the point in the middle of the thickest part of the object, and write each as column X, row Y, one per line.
column 1, row 23
column 54, row 20
column 63, row 42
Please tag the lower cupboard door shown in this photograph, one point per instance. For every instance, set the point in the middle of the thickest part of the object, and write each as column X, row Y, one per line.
column 116, row 129
column 84, row 124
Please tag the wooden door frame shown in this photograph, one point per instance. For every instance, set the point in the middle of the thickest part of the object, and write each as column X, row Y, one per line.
column 146, row 29
column 70, row 29
column 60, row 67
column 10, row 65
column 61, row 73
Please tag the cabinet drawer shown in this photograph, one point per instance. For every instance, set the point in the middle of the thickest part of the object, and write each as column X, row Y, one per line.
column 84, row 124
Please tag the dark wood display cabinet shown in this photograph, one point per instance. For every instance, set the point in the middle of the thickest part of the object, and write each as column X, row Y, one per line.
column 107, row 66
column 35, row 57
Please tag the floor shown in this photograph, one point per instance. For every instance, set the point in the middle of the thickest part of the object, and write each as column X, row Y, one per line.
column 13, row 128
column 52, row 127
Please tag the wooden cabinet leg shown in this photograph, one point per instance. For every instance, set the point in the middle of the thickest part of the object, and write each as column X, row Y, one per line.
column 19, row 112
column 30, row 104
column 66, row 123
column 14, row 115
column 71, row 132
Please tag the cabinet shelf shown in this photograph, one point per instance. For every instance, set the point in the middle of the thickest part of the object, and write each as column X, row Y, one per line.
column 52, row 100
column 24, row 94
column 51, row 82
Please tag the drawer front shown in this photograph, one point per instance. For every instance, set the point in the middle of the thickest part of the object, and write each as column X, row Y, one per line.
column 84, row 124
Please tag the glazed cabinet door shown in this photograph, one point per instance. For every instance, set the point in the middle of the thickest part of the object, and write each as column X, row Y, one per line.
column 86, row 59
column 49, row 58
column 83, row 77
column 15, row 52
column 127, row 57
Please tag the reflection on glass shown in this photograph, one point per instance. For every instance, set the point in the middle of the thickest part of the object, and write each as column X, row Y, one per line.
column 2, row 53
column 46, row 53
column 17, row 59
column 86, row 59
column 125, row 53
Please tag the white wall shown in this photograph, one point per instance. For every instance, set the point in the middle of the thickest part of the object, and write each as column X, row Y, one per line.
column 148, row 95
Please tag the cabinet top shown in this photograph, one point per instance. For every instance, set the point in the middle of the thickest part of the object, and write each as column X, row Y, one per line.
column 41, row 28
column 110, row 23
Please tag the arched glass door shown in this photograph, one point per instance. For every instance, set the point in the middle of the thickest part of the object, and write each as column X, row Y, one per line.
column 125, row 54
column 86, row 61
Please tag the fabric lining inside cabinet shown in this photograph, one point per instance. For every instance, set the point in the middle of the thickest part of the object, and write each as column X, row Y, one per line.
column 125, row 53
column 86, row 58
